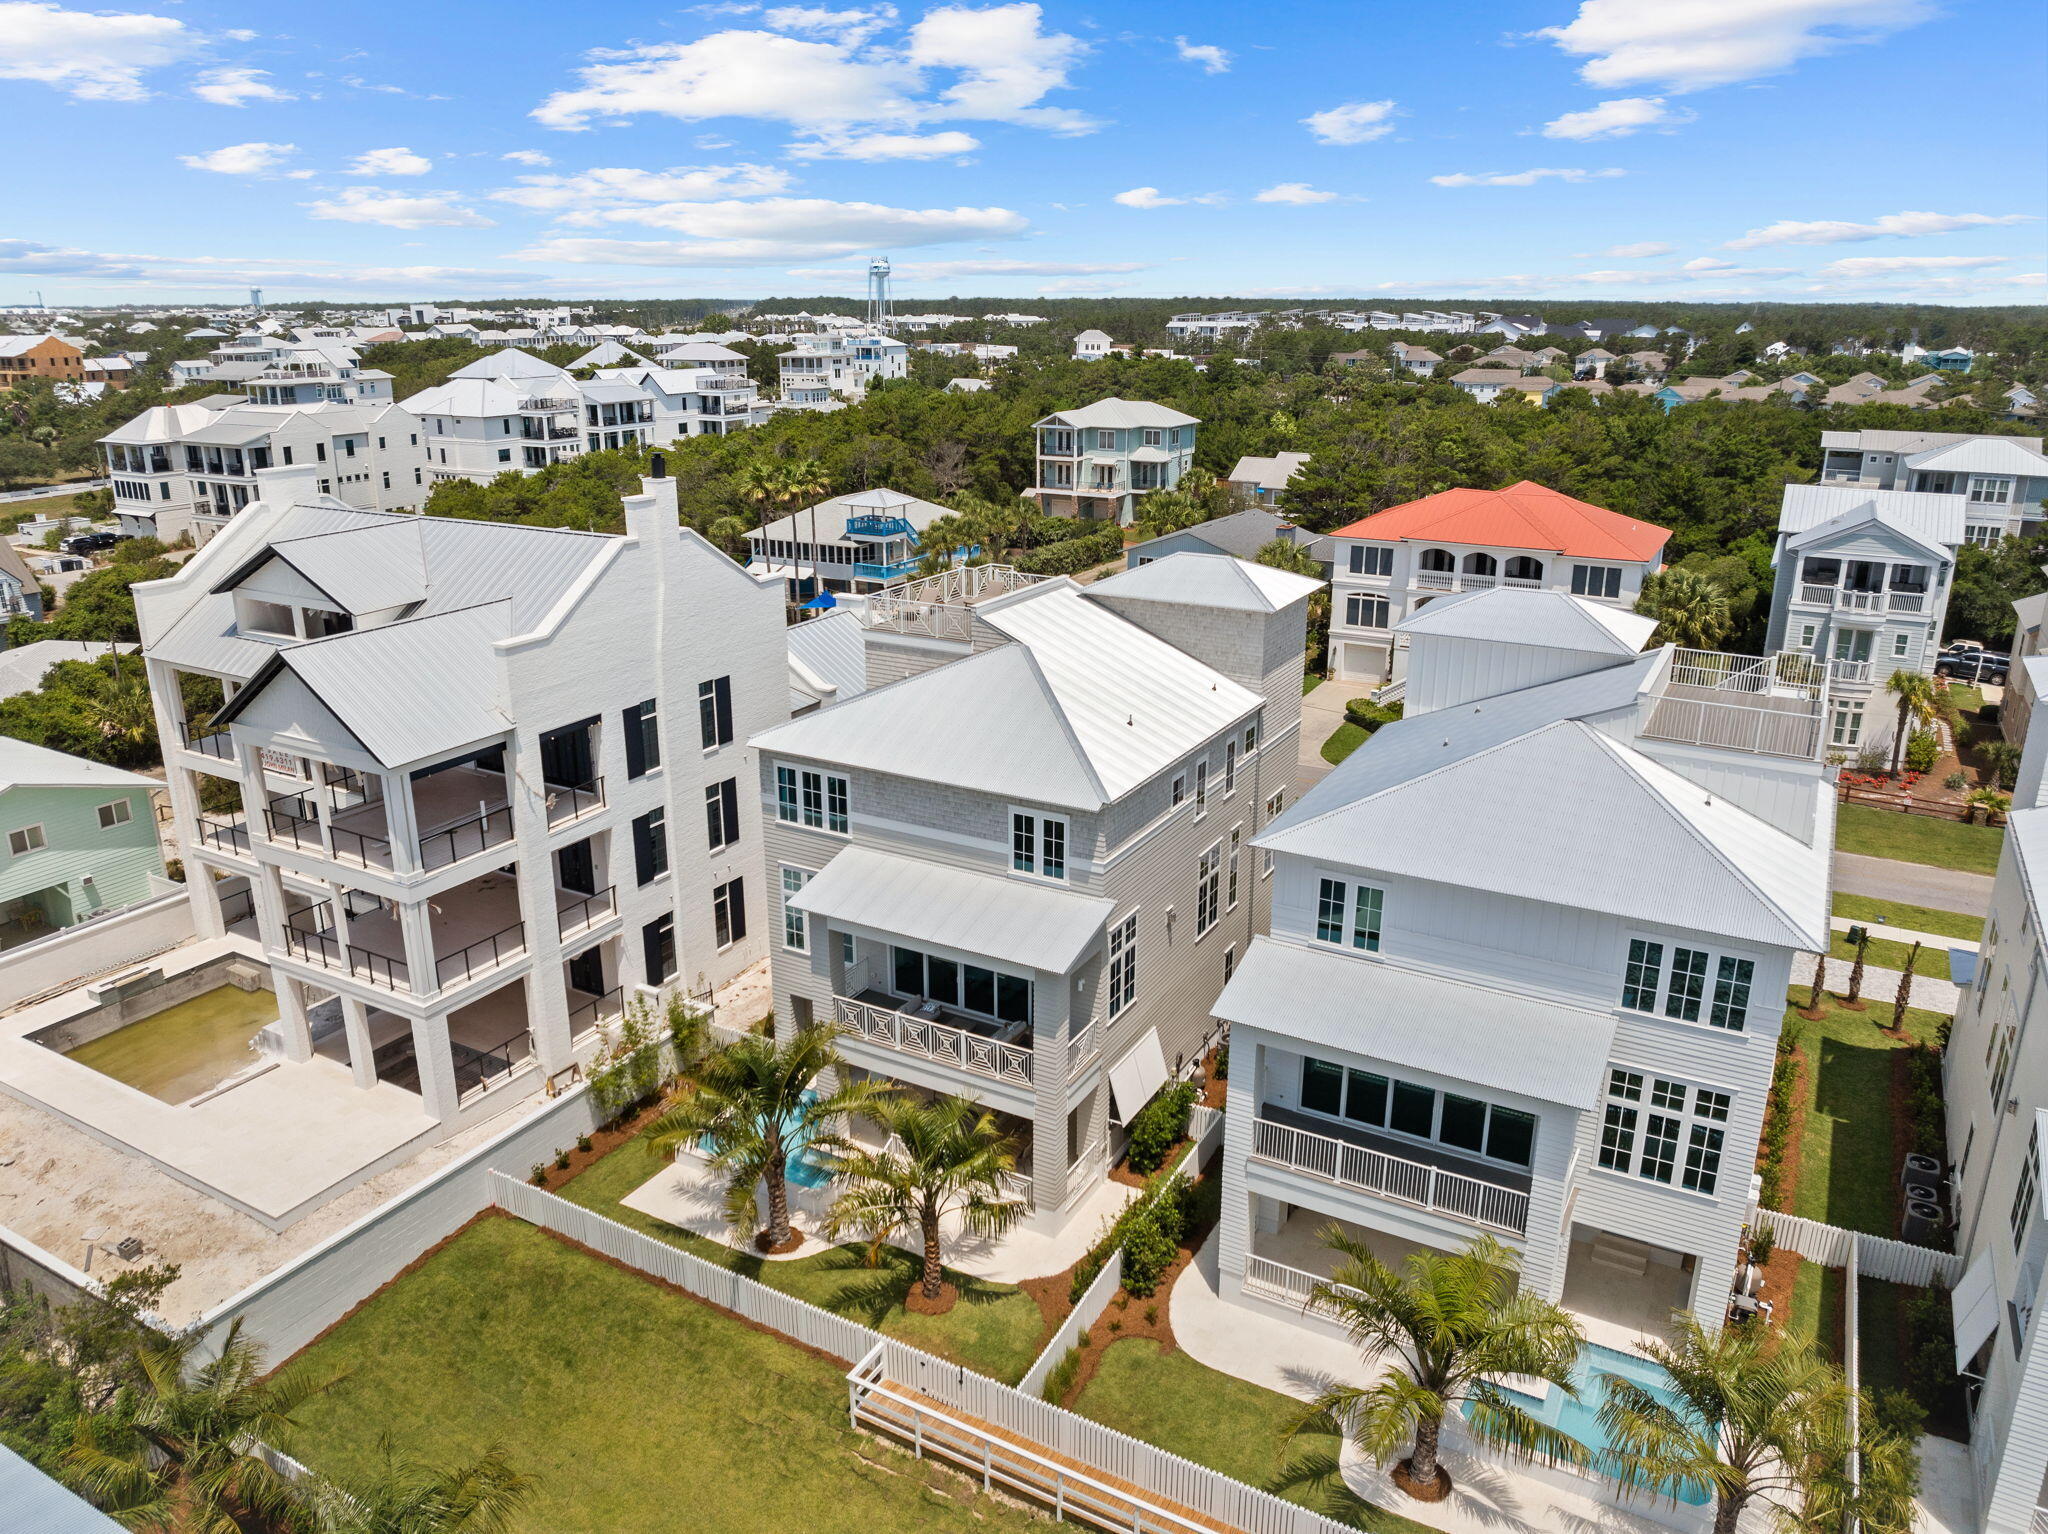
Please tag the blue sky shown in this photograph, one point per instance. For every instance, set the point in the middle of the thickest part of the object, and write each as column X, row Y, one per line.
column 1711, row 149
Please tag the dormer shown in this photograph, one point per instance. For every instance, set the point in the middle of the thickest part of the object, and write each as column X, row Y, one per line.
column 335, row 583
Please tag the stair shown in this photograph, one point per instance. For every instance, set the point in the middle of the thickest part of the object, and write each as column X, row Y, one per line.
column 1620, row 1256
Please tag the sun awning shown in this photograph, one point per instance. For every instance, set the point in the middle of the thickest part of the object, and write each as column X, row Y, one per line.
column 1975, row 1303
column 1136, row 1078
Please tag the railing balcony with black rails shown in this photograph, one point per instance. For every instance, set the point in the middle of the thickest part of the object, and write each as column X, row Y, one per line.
column 572, row 801
column 293, row 830
column 478, row 1070
column 563, row 433
column 482, row 956
column 363, row 963
column 586, row 911
column 225, row 833
column 236, row 907
column 598, row 1009
column 451, row 844
column 214, row 743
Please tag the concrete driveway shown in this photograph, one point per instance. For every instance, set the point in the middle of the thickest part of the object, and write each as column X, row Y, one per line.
column 1321, row 712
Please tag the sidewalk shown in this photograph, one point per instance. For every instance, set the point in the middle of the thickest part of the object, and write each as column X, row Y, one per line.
column 1880, row 986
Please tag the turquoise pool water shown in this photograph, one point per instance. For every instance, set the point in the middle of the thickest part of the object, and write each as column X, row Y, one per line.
column 1581, row 1418
column 802, row 1167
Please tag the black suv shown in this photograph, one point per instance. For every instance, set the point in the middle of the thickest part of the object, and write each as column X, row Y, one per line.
column 1973, row 666
column 90, row 543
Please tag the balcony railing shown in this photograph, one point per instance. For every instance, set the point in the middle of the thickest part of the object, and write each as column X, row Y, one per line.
column 1082, row 1049
column 1908, row 601
column 482, row 956
column 465, row 838
column 1391, row 1177
column 214, row 743
column 911, row 1035
column 585, row 912
column 1849, row 670
column 572, row 801
column 1276, row 1281
column 895, row 570
column 303, row 833
column 224, row 833
column 599, row 1009
column 478, row 1070
column 366, row 964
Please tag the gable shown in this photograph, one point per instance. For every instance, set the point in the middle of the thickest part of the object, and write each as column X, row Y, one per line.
column 286, row 709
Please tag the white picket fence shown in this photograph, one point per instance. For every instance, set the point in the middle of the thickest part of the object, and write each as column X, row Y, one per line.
column 1898, row 1262
column 1094, row 1300
column 904, row 1370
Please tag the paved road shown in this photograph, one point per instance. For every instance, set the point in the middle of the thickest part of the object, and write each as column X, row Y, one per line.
column 1913, row 883
column 42, row 492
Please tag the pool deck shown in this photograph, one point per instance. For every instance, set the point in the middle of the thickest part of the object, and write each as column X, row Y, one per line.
column 274, row 1144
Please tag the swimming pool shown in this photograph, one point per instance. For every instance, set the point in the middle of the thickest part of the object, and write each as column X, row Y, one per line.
column 801, row 1167
column 1581, row 1418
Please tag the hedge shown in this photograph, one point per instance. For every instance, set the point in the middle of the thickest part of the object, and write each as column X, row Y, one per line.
column 1073, row 555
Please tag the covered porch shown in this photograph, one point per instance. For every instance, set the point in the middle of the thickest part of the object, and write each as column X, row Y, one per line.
column 1624, row 1291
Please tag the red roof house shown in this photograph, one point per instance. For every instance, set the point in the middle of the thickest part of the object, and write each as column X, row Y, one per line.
column 1523, row 516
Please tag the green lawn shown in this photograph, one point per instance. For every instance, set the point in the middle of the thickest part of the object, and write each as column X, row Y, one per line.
column 995, row 1329
column 1847, row 1171
column 1819, row 1307
column 1225, row 1423
column 1914, row 918
column 1309, row 683
column 1966, row 698
column 1883, row 953
column 1344, row 740
column 633, row 1407
column 1917, row 839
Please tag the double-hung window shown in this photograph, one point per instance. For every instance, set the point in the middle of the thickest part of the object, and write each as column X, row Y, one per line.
column 1208, row 882
column 1123, row 963
column 729, row 912
column 1649, row 1132
column 643, row 740
column 658, row 949
column 796, row 927
column 2025, row 1195
column 1230, row 874
column 1696, row 986
column 1275, row 801
column 722, row 814
column 1201, row 788
column 1596, row 581
column 1688, row 983
column 810, row 797
column 650, row 846
column 1229, row 768
column 1038, row 844
column 714, row 711
column 116, row 813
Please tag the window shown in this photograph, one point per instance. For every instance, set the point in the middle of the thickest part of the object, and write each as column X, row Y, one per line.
column 1154, row 437
column 1322, row 1087
column 2024, row 1195
column 1201, row 788
column 1371, row 559
column 810, row 797
column 796, row 927
column 1208, row 879
column 1230, row 879
column 1229, row 768
column 27, row 839
column 1251, row 737
column 1330, row 899
column 722, row 814
column 846, row 952
column 1180, row 788
column 1660, row 1147
column 1038, row 844
column 1365, row 612
column 1663, row 1129
column 1687, row 983
column 1596, row 581
column 1808, row 632
column 1982, row 537
column 1731, row 993
column 1990, row 489
column 658, row 948
column 1105, row 441
column 1333, row 897
column 1229, row 963
column 1901, row 642
column 714, row 711
column 1639, row 981
column 1274, row 802
column 1468, row 1124
column 1847, row 726
column 967, row 987
column 1618, row 1138
column 119, row 813
column 643, row 740
column 1123, row 963
column 729, row 912
column 1702, row 1159
column 650, row 846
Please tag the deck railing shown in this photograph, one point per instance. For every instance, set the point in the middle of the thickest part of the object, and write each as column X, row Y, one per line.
column 1277, row 1281
column 224, row 832
column 1394, row 1177
column 485, row 954
column 586, row 911
column 215, row 743
column 451, row 844
column 911, row 1035
column 324, row 949
column 598, row 1010
column 572, row 801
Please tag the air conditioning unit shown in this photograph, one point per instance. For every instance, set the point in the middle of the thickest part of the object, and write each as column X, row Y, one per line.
column 1924, row 1193
column 1918, row 1168
column 1922, row 1222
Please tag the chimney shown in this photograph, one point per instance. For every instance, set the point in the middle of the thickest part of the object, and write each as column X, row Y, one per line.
column 289, row 484
column 655, row 510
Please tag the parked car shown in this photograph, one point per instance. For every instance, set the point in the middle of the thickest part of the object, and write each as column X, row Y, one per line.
column 1974, row 665
column 89, row 543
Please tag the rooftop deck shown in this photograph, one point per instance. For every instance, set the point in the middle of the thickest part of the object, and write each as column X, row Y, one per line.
column 940, row 606
column 1769, row 705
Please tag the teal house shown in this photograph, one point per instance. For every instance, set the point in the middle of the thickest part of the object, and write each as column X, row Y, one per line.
column 77, row 840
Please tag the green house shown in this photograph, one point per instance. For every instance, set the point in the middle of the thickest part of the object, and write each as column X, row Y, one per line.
column 77, row 840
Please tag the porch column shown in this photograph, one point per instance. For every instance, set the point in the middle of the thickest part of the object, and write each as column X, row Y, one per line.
column 436, row 1064
column 547, row 984
column 291, row 1017
column 415, row 926
column 401, row 825
column 362, row 1061
column 184, row 796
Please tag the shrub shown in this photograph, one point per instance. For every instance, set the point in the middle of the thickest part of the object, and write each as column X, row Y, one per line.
column 1778, row 1123
column 1930, row 1345
column 1763, row 1240
column 1151, row 1243
column 561, row 1161
column 1222, row 1070
column 1159, row 1126
column 627, row 1069
column 539, row 1175
column 1368, row 715
column 583, row 1144
column 1059, row 1379
column 1923, row 750
column 1956, row 782
column 1074, row 555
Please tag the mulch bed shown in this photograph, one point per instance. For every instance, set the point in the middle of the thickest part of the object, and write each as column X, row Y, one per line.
column 1781, row 1270
column 915, row 1302
column 602, row 1144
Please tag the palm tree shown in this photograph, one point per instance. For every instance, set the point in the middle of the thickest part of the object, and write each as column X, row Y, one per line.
column 1449, row 1323
column 1759, row 1419
column 1285, row 554
column 1691, row 610
column 1916, row 708
column 757, row 482
column 405, row 1497
column 177, row 1448
column 748, row 1105
column 952, row 1160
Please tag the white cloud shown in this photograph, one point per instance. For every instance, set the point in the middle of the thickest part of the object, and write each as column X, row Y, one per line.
column 526, row 157
column 1152, row 197
column 846, row 26
column 1839, row 231
column 397, row 210
column 1523, row 177
column 885, row 146
column 1214, row 60
column 390, row 162
column 1689, row 45
column 1639, row 248
column 580, row 198
column 1880, row 266
column 1000, row 60
column 238, row 87
column 1355, row 122
column 255, row 159
column 774, row 230
column 1294, row 191
column 91, row 55
column 1615, row 119
column 936, row 271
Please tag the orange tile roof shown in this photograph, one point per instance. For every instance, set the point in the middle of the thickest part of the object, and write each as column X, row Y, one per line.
column 1523, row 516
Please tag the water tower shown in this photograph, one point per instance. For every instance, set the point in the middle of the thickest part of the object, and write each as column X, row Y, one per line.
column 879, row 316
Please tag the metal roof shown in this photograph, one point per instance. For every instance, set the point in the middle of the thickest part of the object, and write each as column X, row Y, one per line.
column 1119, row 414
column 365, row 569
column 1565, row 796
column 25, row 766
column 22, row 668
column 1210, row 580
column 1927, row 518
column 1008, row 920
column 32, row 1501
column 1554, row 620
column 1984, row 455
column 1492, row 1039
column 1273, row 473
column 830, row 650
column 832, row 515
column 510, row 363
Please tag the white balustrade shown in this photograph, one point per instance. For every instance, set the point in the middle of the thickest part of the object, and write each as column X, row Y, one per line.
column 913, row 1035
column 1394, row 1177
